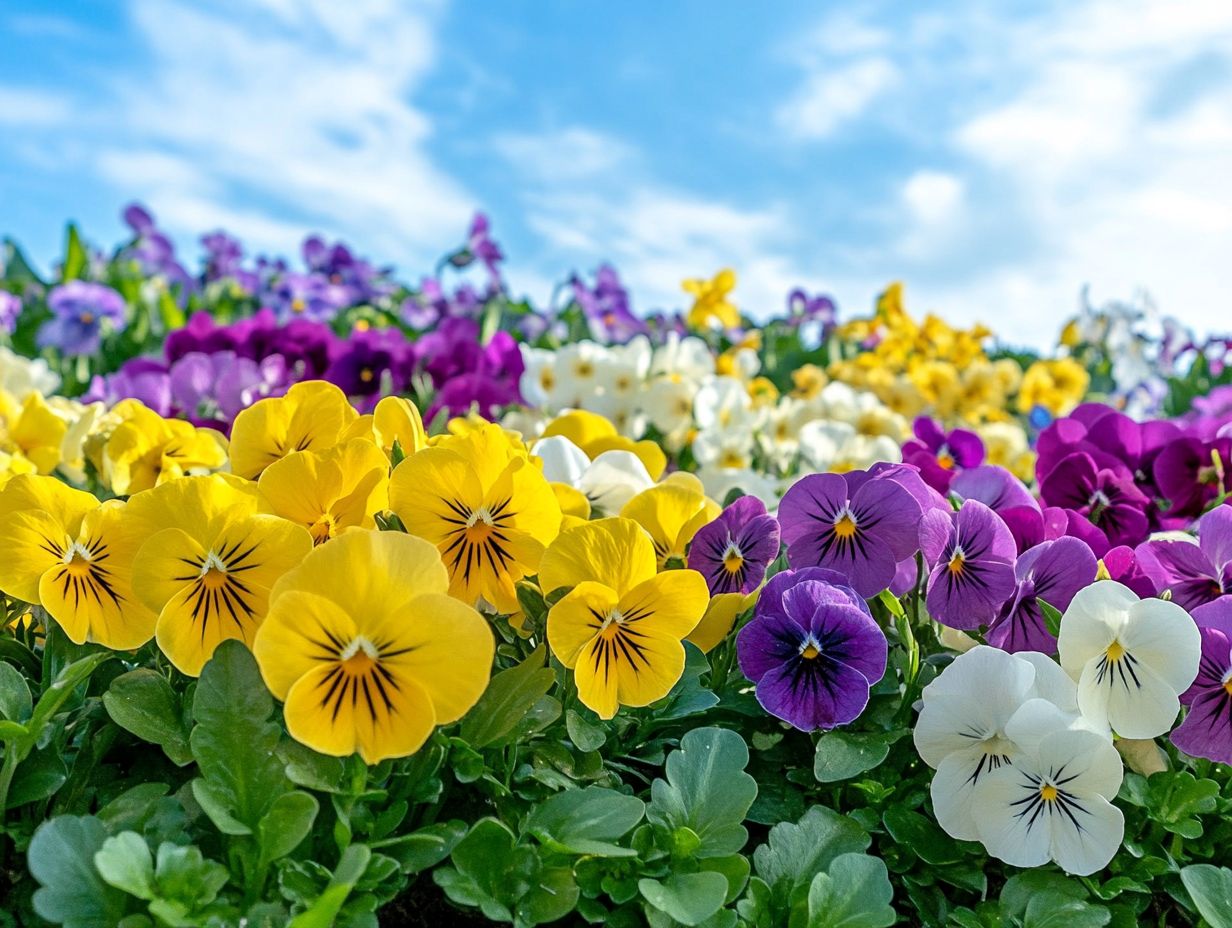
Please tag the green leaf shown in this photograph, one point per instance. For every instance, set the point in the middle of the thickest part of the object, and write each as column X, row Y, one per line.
column 796, row 852
column 854, row 892
column 305, row 767
column 38, row 777
column 15, row 700
column 842, row 755
column 689, row 898
column 71, row 893
column 142, row 702
column 1210, row 888
column 183, row 875
column 75, row 257
column 585, row 734
column 489, row 874
column 706, row 790
column 586, row 821
column 1021, row 889
column 688, row 697
column 892, row 604
column 287, row 823
column 125, row 862
column 1052, row 618
column 423, row 848
column 324, row 912
column 508, row 698
column 921, row 836
column 552, row 895
column 234, row 741
column 57, row 694
column 1049, row 911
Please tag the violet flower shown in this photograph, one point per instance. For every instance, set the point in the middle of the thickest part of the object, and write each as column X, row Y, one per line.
column 941, row 455
column 1190, row 473
column 606, row 307
column 1194, row 574
column 1051, row 572
column 970, row 554
column 80, row 310
column 1207, row 728
column 857, row 524
column 734, row 550
column 142, row 379
column 1007, row 496
column 10, row 309
column 812, row 649
column 371, row 362
column 1106, row 496
column 306, row 296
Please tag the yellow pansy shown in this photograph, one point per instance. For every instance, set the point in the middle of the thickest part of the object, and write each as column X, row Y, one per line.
column 671, row 514
column 486, row 507
column 367, row 651
column 808, row 379
column 763, row 392
column 145, row 450
column 74, row 557
column 1057, row 385
column 594, row 434
column 710, row 302
column 620, row 626
column 720, row 616
column 210, row 557
column 30, row 429
column 314, row 415
column 328, row 491
column 398, row 420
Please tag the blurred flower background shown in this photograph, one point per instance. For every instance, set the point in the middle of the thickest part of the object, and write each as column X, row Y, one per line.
column 998, row 160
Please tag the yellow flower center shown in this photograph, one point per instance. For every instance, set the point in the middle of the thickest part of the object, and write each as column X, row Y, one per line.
column 733, row 560
column 845, row 527
column 298, row 305
column 623, row 383
column 547, row 379
column 1048, row 792
column 479, row 526
column 732, row 458
column 214, row 578
column 86, row 318
column 946, row 460
column 1101, row 572
column 1116, row 651
column 322, row 530
column 366, row 375
column 957, row 561
column 362, row 325
column 1227, row 686
column 584, row 369
column 77, row 561
column 359, row 656
column 810, row 651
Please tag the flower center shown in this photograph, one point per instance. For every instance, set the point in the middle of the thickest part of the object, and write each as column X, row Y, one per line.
column 322, row 530
column 1116, row 651
column 547, row 379
column 810, row 649
column 86, row 318
column 1098, row 502
column 584, row 369
column 359, row 656
column 956, row 561
column 77, row 560
column 732, row 458
column 845, row 526
column 298, row 305
column 1048, row 793
column 366, row 375
column 611, row 624
column 1227, row 682
column 945, row 459
column 733, row 560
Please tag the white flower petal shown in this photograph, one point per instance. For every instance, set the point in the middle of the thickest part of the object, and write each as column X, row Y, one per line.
column 1087, row 849
column 953, row 787
column 563, row 461
column 1162, row 635
column 1051, row 682
column 1082, row 763
column 1137, row 705
column 1005, row 832
column 614, row 478
column 1095, row 616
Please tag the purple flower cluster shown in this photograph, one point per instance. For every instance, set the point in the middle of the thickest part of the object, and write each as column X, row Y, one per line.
column 81, row 313
column 941, row 455
column 606, row 307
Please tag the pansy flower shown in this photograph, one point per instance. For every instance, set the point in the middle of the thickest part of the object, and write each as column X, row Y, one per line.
column 812, row 649
column 82, row 312
column 367, row 650
column 620, row 625
column 671, row 513
column 329, row 491
column 312, row 416
column 74, row 557
column 971, row 556
column 734, row 550
column 1207, row 729
column 1051, row 572
column 1193, row 574
column 146, row 450
column 1103, row 494
column 856, row 524
column 941, row 455
column 485, row 506
column 208, row 562
column 1132, row 658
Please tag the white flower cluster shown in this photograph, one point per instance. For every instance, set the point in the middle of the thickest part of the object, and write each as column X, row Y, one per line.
column 740, row 434
column 1023, row 748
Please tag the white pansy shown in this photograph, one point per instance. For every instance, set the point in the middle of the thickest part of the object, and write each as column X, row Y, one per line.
column 724, row 402
column 780, row 433
column 1053, row 801
column 828, row 445
column 540, row 382
column 563, row 461
column 612, row 479
column 668, row 402
column 962, row 728
column 724, row 447
column 577, row 368
column 624, row 412
column 720, row 481
column 689, row 357
column 1132, row 658
column 745, row 363
column 19, row 376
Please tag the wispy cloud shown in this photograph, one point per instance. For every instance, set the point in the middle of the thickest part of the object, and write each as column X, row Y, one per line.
column 830, row 97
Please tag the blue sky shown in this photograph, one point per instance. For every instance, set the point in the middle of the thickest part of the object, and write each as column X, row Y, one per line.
column 996, row 161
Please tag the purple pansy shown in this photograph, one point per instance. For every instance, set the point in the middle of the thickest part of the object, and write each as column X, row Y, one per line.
column 306, row 296
column 1122, row 565
column 1195, row 574
column 858, row 524
column 1105, row 496
column 733, row 551
column 1207, row 729
column 1190, row 473
column 370, row 363
column 10, row 309
column 606, row 307
column 813, row 649
column 939, row 454
column 1051, row 572
column 970, row 554
column 79, row 309
column 142, row 379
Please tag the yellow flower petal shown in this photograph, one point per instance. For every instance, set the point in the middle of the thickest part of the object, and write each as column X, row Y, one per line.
column 312, row 416
column 575, row 620
column 670, row 603
column 398, row 419
column 34, row 542
column 64, row 504
column 626, row 668
column 671, row 514
column 572, row 502
column 327, row 491
column 615, row 552
column 720, row 616
column 301, row 631
column 580, row 427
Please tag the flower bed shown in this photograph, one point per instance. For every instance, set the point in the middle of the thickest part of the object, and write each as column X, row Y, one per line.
column 330, row 599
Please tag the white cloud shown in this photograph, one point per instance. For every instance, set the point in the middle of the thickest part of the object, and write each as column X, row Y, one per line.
column 829, row 98
column 27, row 107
